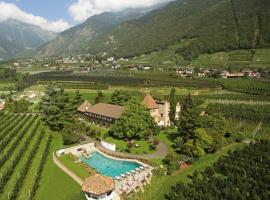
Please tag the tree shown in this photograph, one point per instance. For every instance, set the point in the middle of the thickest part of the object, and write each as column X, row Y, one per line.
column 173, row 102
column 119, row 97
column 100, row 97
column 70, row 135
column 56, row 108
column 171, row 161
column 188, row 103
column 18, row 106
column 135, row 123
column 77, row 100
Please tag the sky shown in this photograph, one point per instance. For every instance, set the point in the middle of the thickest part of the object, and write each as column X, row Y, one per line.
column 59, row 15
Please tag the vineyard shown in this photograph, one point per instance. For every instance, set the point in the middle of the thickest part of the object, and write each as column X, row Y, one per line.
column 248, row 86
column 24, row 148
column 254, row 113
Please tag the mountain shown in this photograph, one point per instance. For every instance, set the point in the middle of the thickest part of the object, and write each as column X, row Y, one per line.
column 77, row 38
column 17, row 37
column 202, row 26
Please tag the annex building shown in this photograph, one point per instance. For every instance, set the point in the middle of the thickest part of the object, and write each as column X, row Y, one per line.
column 102, row 113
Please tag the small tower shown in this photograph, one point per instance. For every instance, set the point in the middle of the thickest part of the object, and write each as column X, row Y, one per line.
column 177, row 111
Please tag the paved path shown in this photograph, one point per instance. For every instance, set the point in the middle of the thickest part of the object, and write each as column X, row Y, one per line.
column 161, row 152
column 67, row 171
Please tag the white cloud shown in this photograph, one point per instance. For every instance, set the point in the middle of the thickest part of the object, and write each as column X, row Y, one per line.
column 83, row 9
column 10, row 10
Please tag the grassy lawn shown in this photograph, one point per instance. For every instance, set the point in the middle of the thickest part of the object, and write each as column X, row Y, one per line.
column 55, row 184
column 160, row 185
column 144, row 146
column 77, row 168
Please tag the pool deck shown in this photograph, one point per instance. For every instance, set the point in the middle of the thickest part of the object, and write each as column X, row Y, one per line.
column 138, row 180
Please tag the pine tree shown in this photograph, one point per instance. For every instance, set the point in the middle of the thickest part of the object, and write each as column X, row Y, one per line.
column 100, row 97
column 188, row 103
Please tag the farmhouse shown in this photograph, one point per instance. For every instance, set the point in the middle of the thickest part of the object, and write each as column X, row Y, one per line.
column 102, row 113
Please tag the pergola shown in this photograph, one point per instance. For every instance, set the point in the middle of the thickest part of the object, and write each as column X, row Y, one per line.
column 98, row 187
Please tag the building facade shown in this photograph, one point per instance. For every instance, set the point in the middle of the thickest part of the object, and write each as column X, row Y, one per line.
column 160, row 110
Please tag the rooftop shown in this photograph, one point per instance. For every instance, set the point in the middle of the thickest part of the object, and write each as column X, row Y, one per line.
column 149, row 102
column 108, row 110
column 98, row 184
column 84, row 107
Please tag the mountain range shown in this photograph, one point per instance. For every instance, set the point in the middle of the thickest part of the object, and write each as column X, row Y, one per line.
column 196, row 26
column 76, row 39
column 17, row 37
column 201, row 26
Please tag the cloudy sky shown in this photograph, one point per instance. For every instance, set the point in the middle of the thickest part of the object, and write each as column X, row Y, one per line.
column 58, row 15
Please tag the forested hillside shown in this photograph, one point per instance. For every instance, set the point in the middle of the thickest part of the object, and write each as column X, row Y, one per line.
column 209, row 26
column 77, row 38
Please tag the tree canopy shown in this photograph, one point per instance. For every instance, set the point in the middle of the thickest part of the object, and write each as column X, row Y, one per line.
column 243, row 174
column 135, row 123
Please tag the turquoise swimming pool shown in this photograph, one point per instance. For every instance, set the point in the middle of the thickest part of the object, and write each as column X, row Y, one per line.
column 109, row 167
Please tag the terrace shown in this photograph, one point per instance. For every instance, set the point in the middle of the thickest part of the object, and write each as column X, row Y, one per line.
column 128, row 175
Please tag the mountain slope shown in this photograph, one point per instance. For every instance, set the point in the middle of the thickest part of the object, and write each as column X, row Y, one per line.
column 77, row 38
column 210, row 25
column 16, row 37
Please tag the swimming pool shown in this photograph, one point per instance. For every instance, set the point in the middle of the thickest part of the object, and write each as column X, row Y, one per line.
column 109, row 167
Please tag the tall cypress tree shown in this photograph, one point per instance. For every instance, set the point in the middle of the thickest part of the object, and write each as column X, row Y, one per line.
column 173, row 102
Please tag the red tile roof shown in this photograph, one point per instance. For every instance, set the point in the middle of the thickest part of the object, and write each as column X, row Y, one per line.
column 84, row 107
column 149, row 102
column 98, row 184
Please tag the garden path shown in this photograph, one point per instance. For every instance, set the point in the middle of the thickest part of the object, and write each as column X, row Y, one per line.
column 67, row 170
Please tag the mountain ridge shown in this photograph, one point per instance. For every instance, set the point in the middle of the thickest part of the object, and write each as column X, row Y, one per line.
column 17, row 37
column 75, row 39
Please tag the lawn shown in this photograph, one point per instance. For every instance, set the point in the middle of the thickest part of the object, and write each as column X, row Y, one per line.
column 121, row 145
column 77, row 168
column 55, row 184
column 160, row 185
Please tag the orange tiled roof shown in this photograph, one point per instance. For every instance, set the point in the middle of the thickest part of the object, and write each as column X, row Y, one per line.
column 149, row 102
column 85, row 106
column 98, row 184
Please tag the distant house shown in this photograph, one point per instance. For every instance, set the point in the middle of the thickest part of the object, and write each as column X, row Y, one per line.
column 160, row 110
column 102, row 113
column 227, row 75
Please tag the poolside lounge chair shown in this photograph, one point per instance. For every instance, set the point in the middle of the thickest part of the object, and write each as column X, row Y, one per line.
column 141, row 167
column 123, row 175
